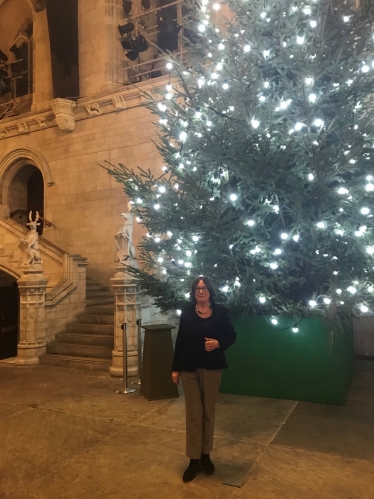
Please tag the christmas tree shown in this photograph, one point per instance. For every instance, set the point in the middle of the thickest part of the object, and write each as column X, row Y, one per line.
column 266, row 131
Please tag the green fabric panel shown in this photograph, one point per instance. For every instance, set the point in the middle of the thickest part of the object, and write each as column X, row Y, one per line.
column 266, row 362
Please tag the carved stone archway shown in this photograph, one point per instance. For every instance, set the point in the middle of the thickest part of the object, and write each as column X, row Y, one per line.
column 9, row 167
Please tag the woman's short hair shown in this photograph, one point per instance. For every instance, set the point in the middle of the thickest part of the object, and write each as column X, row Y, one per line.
column 208, row 284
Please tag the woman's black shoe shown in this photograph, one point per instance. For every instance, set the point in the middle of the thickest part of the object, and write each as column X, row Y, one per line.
column 192, row 470
column 208, row 466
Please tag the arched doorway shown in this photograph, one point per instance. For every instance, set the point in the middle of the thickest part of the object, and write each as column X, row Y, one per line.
column 9, row 306
column 26, row 193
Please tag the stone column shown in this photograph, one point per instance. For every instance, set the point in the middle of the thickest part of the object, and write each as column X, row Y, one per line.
column 43, row 88
column 127, row 309
column 100, row 48
column 4, row 211
column 32, row 287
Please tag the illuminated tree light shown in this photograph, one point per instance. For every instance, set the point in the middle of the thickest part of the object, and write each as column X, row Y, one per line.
column 318, row 122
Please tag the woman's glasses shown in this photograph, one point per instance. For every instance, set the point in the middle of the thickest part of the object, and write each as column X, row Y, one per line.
column 203, row 288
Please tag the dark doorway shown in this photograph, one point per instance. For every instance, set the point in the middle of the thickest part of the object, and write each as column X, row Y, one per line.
column 8, row 316
column 26, row 193
column 35, row 197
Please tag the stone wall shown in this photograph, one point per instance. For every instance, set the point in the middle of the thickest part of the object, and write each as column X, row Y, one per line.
column 84, row 203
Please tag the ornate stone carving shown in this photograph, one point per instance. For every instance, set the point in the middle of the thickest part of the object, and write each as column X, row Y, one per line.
column 3, row 133
column 38, row 5
column 42, row 122
column 123, row 239
column 23, row 127
column 30, row 245
column 93, row 109
column 64, row 115
column 119, row 102
column 127, row 310
column 32, row 287
column 127, row 307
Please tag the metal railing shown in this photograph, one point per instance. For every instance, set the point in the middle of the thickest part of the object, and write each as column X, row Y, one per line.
column 150, row 63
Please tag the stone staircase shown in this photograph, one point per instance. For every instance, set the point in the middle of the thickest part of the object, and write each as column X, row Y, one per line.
column 88, row 342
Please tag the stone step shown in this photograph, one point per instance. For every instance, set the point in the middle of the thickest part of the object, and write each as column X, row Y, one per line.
column 94, row 286
column 86, row 339
column 94, row 319
column 91, row 328
column 100, row 309
column 99, row 292
column 102, row 300
column 88, row 363
column 70, row 349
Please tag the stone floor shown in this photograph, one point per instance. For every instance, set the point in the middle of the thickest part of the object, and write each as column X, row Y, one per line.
column 65, row 434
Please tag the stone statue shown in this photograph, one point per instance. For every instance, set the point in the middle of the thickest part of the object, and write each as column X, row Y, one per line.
column 123, row 239
column 30, row 244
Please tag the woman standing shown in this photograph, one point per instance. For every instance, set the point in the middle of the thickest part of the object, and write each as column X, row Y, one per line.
column 205, row 332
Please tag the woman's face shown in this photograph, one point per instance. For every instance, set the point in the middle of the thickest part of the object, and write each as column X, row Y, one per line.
column 201, row 292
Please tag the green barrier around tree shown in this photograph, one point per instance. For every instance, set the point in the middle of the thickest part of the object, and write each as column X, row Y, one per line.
column 269, row 362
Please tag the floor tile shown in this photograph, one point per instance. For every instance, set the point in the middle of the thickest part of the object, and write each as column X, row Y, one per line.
column 283, row 473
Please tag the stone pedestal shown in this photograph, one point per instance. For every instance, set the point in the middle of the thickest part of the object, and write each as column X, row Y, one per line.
column 127, row 309
column 32, row 288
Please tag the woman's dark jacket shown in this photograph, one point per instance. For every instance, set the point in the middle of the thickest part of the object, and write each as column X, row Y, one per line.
column 189, row 352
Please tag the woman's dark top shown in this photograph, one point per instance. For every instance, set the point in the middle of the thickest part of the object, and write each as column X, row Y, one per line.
column 189, row 352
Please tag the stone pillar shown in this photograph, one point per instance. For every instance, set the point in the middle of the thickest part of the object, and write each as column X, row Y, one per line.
column 100, row 49
column 32, row 287
column 43, row 88
column 4, row 211
column 127, row 309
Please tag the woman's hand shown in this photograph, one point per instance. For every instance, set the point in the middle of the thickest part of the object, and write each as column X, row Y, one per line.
column 176, row 376
column 211, row 344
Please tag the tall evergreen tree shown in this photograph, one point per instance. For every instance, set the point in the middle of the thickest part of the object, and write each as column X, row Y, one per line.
column 267, row 134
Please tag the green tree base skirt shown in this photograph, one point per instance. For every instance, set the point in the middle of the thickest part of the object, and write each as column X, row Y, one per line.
column 268, row 362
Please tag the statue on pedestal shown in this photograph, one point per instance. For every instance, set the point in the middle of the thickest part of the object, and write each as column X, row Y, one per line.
column 123, row 239
column 30, row 245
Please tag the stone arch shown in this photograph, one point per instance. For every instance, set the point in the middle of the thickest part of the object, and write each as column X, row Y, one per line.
column 12, row 272
column 13, row 162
